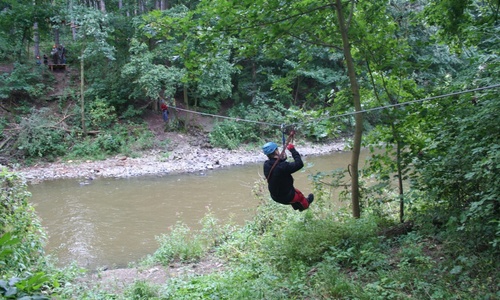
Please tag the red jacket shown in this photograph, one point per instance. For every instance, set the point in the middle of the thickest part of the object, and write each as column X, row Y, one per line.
column 163, row 106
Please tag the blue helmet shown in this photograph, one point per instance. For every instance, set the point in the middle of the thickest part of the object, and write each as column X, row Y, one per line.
column 269, row 148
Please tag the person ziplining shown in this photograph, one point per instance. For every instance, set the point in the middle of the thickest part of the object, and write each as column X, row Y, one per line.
column 278, row 172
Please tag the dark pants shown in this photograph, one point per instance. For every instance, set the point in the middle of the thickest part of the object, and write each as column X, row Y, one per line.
column 165, row 115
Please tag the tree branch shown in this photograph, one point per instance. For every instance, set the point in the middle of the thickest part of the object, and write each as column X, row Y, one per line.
column 317, row 43
column 254, row 26
column 147, row 104
column 2, row 107
column 351, row 13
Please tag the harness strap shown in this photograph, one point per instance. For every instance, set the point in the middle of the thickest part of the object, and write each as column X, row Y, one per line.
column 285, row 144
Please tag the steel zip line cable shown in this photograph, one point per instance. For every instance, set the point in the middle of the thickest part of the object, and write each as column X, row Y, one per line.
column 345, row 114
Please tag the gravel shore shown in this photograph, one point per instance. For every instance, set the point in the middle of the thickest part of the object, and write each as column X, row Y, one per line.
column 181, row 158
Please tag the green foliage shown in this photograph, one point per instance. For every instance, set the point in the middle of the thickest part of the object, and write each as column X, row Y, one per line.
column 131, row 113
column 122, row 138
column 16, row 26
column 6, row 49
column 186, row 245
column 308, row 241
column 23, row 83
column 101, row 114
column 316, row 125
column 231, row 133
column 200, row 60
column 41, row 137
column 214, row 83
column 147, row 77
column 463, row 22
column 19, row 221
column 142, row 290
column 25, row 273
column 317, row 254
column 21, row 242
column 94, row 30
column 457, row 171
column 270, row 58
column 28, row 288
column 179, row 244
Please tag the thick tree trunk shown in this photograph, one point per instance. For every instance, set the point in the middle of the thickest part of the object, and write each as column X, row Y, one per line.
column 358, row 131
column 102, row 6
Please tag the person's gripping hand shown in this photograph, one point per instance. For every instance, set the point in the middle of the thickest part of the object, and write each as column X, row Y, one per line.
column 290, row 146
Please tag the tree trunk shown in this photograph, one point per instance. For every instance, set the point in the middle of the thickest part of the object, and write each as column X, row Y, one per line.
column 254, row 80
column 36, row 39
column 186, row 101
column 102, row 6
column 400, row 173
column 82, row 97
column 296, row 94
column 73, row 26
column 358, row 131
column 56, row 36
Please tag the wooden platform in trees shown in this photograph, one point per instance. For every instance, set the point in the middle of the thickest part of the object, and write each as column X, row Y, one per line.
column 53, row 67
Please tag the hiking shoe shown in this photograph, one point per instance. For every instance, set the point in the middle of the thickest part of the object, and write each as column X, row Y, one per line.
column 296, row 206
column 310, row 198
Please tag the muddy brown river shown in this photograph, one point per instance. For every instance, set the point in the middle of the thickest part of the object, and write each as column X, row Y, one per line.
column 111, row 222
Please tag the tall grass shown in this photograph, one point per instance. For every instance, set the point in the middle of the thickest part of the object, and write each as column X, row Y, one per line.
column 283, row 254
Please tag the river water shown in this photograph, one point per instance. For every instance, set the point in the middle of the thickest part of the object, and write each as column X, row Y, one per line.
column 111, row 222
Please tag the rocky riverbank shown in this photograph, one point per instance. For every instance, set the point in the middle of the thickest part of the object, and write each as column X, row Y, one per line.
column 179, row 157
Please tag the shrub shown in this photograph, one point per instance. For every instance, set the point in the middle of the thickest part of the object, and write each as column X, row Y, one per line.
column 102, row 115
column 25, row 271
column 141, row 290
column 23, row 83
column 40, row 136
column 231, row 133
column 180, row 244
column 18, row 218
column 124, row 139
column 458, row 172
column 228, row 134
